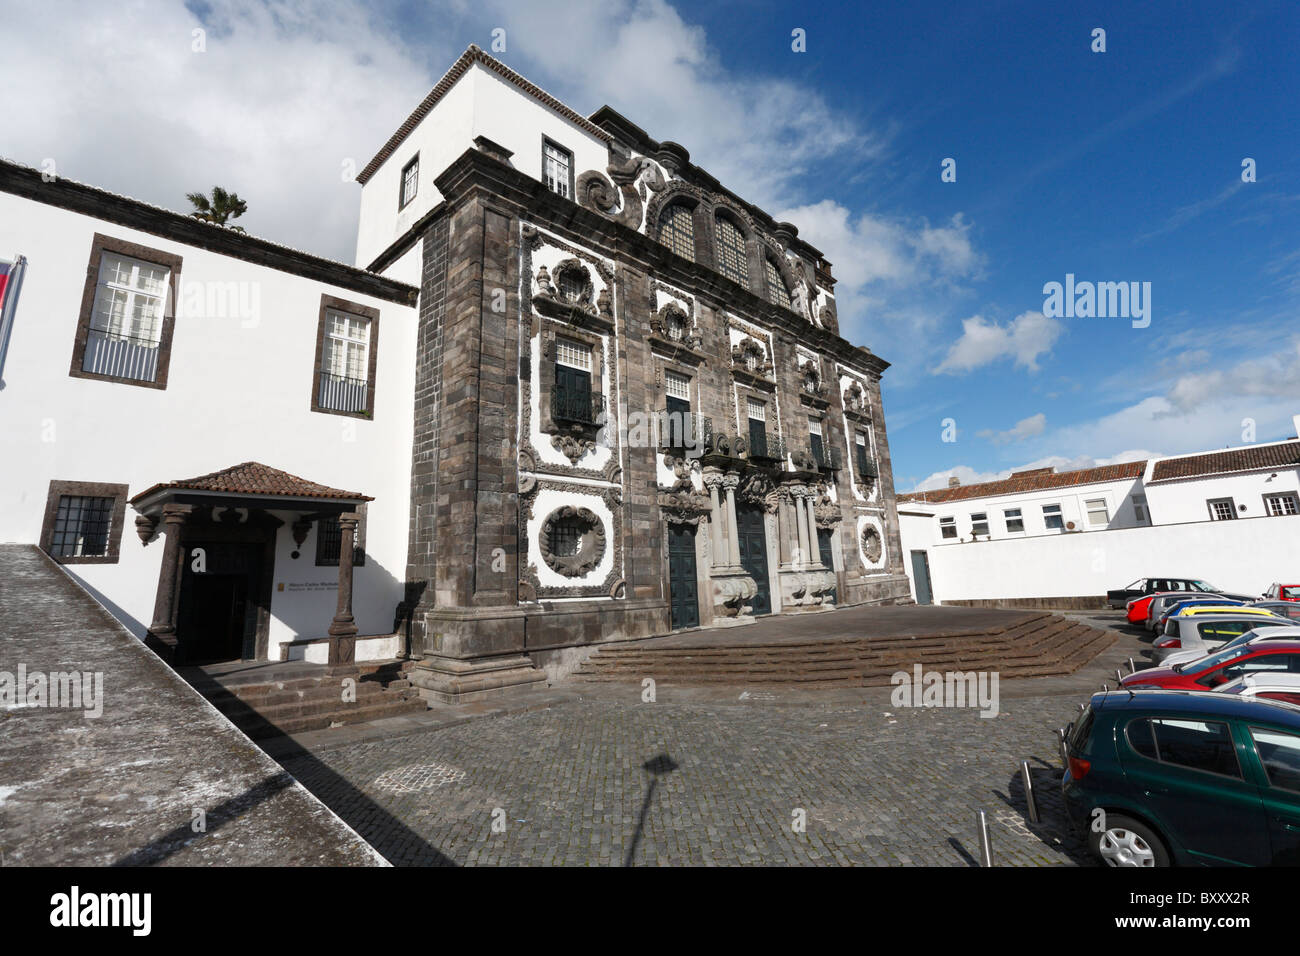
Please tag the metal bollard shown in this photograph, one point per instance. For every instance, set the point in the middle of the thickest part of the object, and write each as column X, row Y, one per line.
column 986, row 852
column 1082, row 708
column 1105, row 688
column 1132, row 668
column 1029, row 791
column 1119, row 677
column 1060, row 742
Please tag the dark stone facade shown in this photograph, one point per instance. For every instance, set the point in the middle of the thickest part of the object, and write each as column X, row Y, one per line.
column 487, row 603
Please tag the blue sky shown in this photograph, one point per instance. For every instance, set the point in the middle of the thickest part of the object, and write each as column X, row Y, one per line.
column 1115, row 166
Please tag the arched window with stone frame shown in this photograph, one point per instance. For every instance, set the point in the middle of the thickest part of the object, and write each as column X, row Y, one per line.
column 733, row 256
column 677, row 229
column 777, row 291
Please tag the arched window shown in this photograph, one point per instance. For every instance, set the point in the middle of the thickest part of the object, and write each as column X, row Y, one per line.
column 733, row 260
column 776, row 290
column 677, row 230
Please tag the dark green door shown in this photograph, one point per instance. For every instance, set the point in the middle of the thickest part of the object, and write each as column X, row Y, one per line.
column 827, row 554
column 752, row 537
column 683, row 588
column 921, row 575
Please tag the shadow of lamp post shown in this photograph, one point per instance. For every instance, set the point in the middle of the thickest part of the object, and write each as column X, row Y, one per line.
column 662, row 764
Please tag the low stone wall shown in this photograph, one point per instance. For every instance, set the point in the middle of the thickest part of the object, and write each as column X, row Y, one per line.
column 1074, row 603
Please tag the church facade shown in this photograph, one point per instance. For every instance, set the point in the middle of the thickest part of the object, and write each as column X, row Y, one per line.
column 626, row 404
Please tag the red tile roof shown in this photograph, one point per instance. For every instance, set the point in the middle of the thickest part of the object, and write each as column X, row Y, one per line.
column 255, row 479
column 458, row 69
column 1281, row 455
column 1038, row 479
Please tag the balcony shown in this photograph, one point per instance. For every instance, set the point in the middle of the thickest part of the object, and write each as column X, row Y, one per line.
column 578, row 408
column 120, row 355
column 826, row 459
column 768, row 448
column 339, row 393
column 680, row 432
column 867, row 469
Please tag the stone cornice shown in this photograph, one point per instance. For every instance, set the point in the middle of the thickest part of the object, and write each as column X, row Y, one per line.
column 475, row 172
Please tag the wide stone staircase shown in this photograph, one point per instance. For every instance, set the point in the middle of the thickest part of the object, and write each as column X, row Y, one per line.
column 293, row 697
column 1036, row 645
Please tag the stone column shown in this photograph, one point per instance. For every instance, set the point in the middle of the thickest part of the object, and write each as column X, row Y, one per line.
column 718, row 543
column 343, row 629
column 733, row 539
column 801, row 513
column 162, row 632
column 816, row 554
column 788, row 532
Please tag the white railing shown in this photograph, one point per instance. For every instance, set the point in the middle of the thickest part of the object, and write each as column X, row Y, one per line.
column 121, row 356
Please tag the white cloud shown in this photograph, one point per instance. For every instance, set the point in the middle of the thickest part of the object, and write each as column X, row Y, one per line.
column 982, row 342
column 970, row 476
column 1025, row 428
column 284, row 92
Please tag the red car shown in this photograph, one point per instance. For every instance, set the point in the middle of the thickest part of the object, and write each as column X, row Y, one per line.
column 1283, row 592
column 1139, row 608
column 1220, row 667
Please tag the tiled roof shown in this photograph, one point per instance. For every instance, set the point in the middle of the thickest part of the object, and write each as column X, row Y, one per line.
column 1281, row 455
column 254, row 478
column 1041, row 479
column 458, row 69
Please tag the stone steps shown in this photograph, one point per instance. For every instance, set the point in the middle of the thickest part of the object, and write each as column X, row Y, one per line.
column 263, row 703
column 1043, row 645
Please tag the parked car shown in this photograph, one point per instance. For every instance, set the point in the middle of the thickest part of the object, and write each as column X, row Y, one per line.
column 1282, row 592
column 1119, row 597
column 1289, row 609
column 1193, row 608
column 1200, row 635
column 1186, row 779
column 1160, row 603
column 1220, row 667
column 1283, row 687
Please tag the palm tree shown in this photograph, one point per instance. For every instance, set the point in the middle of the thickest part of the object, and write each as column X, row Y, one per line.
column 219, row 208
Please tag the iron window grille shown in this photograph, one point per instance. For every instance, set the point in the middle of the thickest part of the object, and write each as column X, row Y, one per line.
column 677, row 230
column 329, row 541
column 733, row 259
column 81, row 527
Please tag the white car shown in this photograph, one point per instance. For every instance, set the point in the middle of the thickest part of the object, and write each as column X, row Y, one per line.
column 1270, row 685
column 1260, row 631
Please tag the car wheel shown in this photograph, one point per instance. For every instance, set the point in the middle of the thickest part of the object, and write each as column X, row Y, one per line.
column 1126, row 842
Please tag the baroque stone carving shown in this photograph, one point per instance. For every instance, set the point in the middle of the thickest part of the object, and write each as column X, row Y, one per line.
column 601, row 193
column 758, row 489
column 682, row 502
column 855, row 400
column 750, row 355
column 732, row 594
column 872, row 546
column 672, row 324
column 825, row 510
column 572, row 447
column 591, row 544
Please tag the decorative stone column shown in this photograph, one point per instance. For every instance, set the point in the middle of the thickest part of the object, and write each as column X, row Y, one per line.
column 731, row 482
column 787, row 528
column 162, row 632
column 810, row 519
column 343, row 629
column 718, row 543
column 801, row 522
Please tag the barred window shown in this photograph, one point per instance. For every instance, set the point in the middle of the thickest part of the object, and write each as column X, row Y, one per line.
column 573, row 354
column 345, row 362
column 329, row 540
column 81, row 527
column 733, row 261
column 677, row 230
column 815, row 427
column 127, row 319
column 566, row 537
column 776, row 290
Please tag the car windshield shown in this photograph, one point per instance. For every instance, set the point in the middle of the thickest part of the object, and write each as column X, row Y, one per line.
column 1219, row 657
column 1291, row 591
column 1204, row 586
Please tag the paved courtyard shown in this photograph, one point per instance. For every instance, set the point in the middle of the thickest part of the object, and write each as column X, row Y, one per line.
column 570, row 784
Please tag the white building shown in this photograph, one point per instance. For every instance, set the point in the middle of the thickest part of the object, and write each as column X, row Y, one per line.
column 1066, row 538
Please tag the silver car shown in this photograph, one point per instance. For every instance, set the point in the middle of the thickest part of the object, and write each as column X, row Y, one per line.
column 1206, row 633
column 1163, row 602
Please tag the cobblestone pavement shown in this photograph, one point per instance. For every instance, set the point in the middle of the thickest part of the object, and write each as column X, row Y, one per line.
column 569, row 785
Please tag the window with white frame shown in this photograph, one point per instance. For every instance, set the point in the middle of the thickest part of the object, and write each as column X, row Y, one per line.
column 757, row 410
column 573, row 354
column 1052, row 518
column 1221, row 509
column 1098, row 512
column 345, row 362
column 979, row 523
column 410, row 182
column 948, row 527
column 557, row 169
column 1140, row 508
column 677, row 385
column 127, row 319
column 1277, row 506
column 1015, row 521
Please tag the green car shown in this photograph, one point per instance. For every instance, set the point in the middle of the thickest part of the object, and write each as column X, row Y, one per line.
column 1161, row 778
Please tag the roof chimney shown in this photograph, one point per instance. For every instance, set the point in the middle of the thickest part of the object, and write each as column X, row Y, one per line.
column 1295, row 423
column 954, row 481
